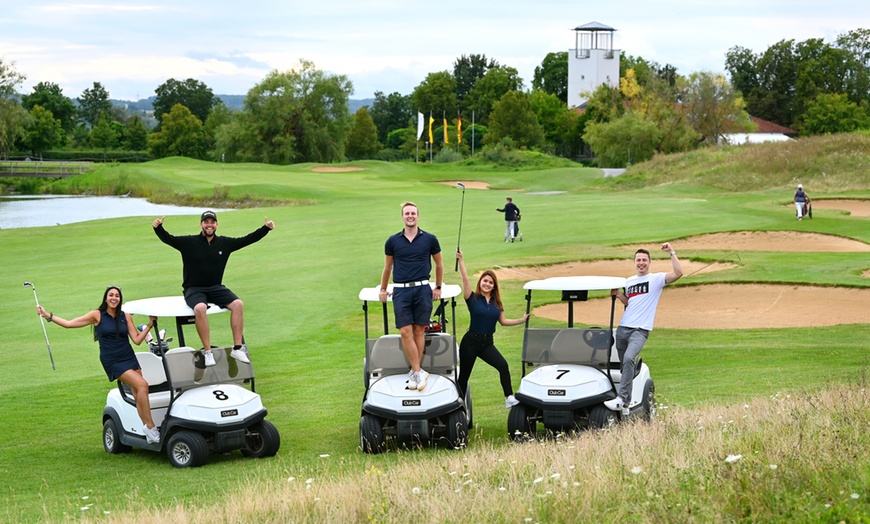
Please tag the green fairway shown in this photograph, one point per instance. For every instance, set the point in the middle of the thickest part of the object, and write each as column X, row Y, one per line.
column 304, row 323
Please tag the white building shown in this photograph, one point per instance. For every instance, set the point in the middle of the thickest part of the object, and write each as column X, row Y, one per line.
column 592, row 62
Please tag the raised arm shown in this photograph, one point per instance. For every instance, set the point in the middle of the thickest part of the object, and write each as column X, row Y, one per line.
column 466, row 284
column 677, row 268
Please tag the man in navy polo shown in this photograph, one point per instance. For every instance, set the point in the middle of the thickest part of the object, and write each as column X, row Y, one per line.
column 408, row 255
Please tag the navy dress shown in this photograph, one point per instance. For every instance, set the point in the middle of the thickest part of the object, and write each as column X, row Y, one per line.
column 116, row 353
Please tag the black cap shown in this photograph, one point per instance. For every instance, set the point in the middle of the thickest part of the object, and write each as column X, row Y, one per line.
column 208, row 214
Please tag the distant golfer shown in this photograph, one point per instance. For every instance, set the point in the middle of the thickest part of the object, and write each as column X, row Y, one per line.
column 409, row 255
column 511, row 215
column 641, row 298
column 205, row 258
column 800, row 201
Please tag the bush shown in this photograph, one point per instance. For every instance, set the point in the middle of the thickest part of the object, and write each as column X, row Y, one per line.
column 391, row 155
column 447, row 155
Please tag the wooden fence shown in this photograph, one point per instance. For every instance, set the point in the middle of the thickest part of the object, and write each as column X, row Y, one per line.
column 44, row 169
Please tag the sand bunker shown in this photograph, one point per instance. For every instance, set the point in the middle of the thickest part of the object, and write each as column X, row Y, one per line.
column 736, row 306
column 609, row 268
column 769, row 241
column 856, row 208
column 336, row 169
column 469, row 184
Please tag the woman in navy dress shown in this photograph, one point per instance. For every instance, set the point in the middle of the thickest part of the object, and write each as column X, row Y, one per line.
column 485, row 308
column 113, row 329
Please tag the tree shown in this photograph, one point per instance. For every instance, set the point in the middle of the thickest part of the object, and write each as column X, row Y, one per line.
column 712, row 106
column 135, row 134
column 192, row 94
column 219, row 117
column 362, row 141
column 558, row 122
column 491, row 88
column 50, row 96
column 391, row 112
column 512, row 117
column 93, row 102
column 552, row 75
column 180, row 135
column 9, row 78
column 834, row 114
column 467, row 70
column 14, row 121
column 630, row 138
column 103, row 135
column 300, row 115
column 44, row 132
column 436, row 94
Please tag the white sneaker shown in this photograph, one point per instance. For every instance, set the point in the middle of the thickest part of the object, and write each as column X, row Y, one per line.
column 152, row 436
column 241, row 354
column 625, row 411
column 510, row 402
column 421, row 380
column 209, row 358
column 412, row 380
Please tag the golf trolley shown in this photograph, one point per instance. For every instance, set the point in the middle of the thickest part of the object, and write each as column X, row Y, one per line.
column 571, row 375
column 393, row 416
column 199, row 409
column 806, row 209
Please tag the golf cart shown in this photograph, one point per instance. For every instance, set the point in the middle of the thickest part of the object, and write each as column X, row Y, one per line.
column 571, row 374
column 409, row 418
column 199, row 409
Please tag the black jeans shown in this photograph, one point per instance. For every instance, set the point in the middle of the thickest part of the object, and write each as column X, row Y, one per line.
column 479, row 345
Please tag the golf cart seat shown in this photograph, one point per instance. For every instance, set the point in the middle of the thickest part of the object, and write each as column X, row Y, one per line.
column 152, row 371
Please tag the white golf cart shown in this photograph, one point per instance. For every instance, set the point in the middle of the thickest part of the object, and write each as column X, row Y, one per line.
column 571, row 375
column 199, row 409
column 392, row 414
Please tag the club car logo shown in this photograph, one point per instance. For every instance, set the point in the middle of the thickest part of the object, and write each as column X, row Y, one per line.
column 410, row 403
column 229, row 413
column 556, row 392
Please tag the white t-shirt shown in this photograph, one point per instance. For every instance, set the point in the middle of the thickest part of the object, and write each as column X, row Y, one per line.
column 643, row 298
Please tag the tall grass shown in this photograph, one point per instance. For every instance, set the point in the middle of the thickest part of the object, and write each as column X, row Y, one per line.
column 799, row 457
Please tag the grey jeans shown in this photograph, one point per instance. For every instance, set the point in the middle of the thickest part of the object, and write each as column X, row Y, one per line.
column 629, row 342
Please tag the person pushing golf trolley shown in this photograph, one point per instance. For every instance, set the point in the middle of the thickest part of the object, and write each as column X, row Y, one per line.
column 511, row 217
column 640, row 298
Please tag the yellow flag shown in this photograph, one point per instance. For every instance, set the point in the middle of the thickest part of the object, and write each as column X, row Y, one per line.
column 446, row 139
column 459, row 128
column 431, row 121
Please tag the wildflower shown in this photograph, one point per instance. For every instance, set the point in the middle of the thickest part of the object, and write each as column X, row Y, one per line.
column 415, row 490
column 733, row 458
column 309, row 481
column 773, row 466
column 555, row 475
column 324, row 455
column 502, row 488
column 85, row 508
column 855, row 496
column 291, row 479
column 85, row 497
column 636, row 470
column 538, row 480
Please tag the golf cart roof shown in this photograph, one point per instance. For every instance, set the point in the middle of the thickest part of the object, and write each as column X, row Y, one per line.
column 370, row 294
column 165, row 307
column 584, row 283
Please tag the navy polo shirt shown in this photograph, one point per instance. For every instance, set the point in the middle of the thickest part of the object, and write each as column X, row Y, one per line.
column 484, row 315
column 412, row 260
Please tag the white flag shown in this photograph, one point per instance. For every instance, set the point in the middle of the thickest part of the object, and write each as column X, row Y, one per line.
column 419, row 125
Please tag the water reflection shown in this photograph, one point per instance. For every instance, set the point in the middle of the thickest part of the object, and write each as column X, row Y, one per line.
column 51, row 210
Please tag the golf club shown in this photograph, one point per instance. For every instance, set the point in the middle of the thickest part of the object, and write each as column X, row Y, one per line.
column 459, row 235
column 42, row 320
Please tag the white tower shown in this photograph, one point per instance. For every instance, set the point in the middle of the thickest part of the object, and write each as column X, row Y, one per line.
column 592, row 62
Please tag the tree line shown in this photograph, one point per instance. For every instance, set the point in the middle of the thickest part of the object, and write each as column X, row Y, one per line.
column 301, row 115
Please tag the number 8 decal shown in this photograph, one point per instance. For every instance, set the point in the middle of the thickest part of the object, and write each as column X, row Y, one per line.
column 220, row 395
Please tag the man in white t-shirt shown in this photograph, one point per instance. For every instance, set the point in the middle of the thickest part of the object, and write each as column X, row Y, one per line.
column 641, row 298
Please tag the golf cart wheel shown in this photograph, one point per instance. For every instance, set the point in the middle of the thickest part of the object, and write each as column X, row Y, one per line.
column 649, row 400
column 600, row 417
column 457, row 429
column 112, row 438
column 187, row 449
column 371, row 435
column 261, row 440
column 521, row 425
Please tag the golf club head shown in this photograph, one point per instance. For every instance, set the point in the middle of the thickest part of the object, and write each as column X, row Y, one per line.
column 28, row 284
column 461, row 185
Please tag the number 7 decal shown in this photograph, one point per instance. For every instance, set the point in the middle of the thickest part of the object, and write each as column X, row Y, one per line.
column 561, row 373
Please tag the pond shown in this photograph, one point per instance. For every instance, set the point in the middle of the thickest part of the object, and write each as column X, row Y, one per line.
column 51, row 210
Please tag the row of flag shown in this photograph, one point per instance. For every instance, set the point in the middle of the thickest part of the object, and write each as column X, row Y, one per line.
column 420, row 126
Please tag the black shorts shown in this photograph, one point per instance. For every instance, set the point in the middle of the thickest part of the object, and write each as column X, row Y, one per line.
column 220, row 295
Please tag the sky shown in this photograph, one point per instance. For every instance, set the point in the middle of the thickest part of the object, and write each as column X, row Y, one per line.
column 132, row 47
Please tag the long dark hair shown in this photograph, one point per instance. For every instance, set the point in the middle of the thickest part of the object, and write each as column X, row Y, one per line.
column 494, row 294
column 104, row 306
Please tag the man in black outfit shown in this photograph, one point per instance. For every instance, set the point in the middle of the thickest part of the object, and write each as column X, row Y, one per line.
column 205, row 258
column 511, row 212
